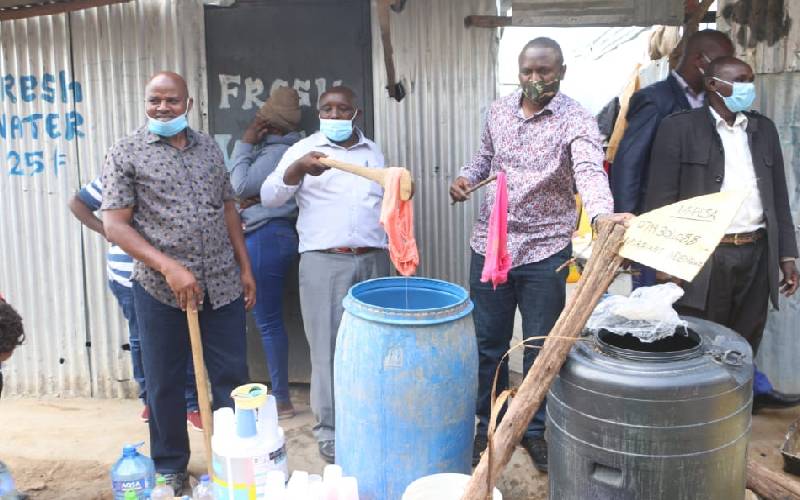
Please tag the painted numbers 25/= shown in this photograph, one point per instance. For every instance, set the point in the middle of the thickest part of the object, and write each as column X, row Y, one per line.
column 34, row 162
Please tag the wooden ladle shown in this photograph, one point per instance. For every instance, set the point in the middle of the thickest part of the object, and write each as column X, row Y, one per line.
column 374, row 174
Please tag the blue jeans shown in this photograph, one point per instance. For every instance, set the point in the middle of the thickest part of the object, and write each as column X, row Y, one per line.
column 272, row 248
column 124, row 296
column 165, row 352
column 539, row 292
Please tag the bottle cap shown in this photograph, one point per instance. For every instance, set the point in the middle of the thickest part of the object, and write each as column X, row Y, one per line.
column 131, row 450
column 130, row 495
column 204, row 478
column 160, row 480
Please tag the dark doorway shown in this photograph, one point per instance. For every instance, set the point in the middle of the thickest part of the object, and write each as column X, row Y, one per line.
column 309, row 45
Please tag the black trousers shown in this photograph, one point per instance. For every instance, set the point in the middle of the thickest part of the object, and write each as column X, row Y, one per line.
column 164, row 334
column 738, row 292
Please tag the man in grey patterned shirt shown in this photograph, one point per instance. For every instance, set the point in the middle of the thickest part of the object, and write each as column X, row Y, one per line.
column 168, row 202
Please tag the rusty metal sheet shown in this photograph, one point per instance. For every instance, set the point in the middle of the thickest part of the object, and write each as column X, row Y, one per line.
column 766, row 32
column 568, row 13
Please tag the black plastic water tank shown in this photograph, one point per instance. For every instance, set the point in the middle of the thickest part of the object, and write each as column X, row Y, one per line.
column 663, row 421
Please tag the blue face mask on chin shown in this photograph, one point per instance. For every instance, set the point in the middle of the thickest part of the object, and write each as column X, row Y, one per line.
column 337, row 130
column 168, row 128
column 742, row 96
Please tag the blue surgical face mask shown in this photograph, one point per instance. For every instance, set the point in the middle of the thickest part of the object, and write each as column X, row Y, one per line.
column 337, row 130
column 169, row 128
column 742, row 97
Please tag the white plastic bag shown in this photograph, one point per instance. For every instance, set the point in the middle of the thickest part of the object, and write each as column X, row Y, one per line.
column 646, row 313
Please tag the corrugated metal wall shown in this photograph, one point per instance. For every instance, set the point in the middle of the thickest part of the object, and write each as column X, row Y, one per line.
column 772, row 46
column 111, row 52
column 779, row 354
column 40, row 251
column 449, row 73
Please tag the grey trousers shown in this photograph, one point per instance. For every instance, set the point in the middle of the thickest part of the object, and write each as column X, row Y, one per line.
column 324, row 281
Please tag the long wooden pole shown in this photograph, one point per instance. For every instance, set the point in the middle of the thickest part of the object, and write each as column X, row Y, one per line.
column 201, row 378
column 598, row 275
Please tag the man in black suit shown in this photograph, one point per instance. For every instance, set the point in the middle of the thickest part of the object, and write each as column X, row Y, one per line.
column 683, row 89
column 723, row 147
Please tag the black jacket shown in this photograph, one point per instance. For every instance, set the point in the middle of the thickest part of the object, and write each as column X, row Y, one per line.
column 688, row 160
column 646, row 109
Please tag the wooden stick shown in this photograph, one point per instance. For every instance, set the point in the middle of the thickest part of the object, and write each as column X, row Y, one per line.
column 598, row 275
column 479, row 185
column 374, row 174
column 201, row 378
column 771, row 485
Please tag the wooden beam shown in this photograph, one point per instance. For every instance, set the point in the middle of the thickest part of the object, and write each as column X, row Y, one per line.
column 708, row 18
column 53, row 8
column 487, row 21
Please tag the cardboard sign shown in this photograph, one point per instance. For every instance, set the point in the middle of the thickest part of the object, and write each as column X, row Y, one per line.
column 678, row 239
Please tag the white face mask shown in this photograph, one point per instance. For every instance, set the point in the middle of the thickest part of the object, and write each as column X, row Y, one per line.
column 171, row 127
column 337, row 130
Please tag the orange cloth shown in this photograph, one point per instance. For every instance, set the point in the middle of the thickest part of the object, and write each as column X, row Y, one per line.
column 397, row 219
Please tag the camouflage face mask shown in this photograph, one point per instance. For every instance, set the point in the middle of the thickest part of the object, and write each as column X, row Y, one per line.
column 540, row 92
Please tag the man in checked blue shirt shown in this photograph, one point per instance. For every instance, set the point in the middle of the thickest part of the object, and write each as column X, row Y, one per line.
column 119, row 266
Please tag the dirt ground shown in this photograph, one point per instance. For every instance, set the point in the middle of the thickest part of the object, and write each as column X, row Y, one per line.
column 64, row 449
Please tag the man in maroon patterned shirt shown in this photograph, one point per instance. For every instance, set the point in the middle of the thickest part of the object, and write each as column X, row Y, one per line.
column 546, row 143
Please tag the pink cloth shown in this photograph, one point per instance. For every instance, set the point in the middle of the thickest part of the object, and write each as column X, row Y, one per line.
column 497, row 262
column 397, row 219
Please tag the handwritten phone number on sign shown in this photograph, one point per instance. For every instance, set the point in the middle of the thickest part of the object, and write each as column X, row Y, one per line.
column 28, row 163
column 664, row 231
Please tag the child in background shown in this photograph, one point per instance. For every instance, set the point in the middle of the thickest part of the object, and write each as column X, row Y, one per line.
column 11, row 334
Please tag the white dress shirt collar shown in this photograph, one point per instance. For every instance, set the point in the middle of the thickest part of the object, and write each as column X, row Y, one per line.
column 696, row 99
column 740, row 121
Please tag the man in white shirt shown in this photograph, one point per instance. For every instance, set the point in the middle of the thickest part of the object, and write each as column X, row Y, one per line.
column 724, row 147
column 341, row 240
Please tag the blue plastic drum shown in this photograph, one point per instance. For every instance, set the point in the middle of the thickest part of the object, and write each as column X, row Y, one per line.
column 405, row 381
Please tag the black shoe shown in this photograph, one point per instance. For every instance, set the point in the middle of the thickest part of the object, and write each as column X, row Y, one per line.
column 774, row 400
column 477, row 449
column 328, row 450
column 537, row 449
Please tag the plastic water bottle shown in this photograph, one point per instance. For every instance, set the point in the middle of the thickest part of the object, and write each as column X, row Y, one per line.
column 162, row 491
column 133, row 471
column 203, row 490
column 7, row 488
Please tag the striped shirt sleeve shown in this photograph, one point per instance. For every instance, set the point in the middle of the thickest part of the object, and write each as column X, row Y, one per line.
column 92, row 194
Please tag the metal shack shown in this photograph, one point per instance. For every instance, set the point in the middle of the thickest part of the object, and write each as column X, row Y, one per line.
column 73, row 73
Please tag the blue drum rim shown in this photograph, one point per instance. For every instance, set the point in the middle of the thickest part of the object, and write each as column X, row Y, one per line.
column 412, row 317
